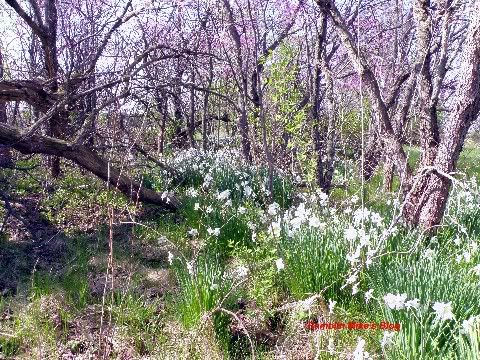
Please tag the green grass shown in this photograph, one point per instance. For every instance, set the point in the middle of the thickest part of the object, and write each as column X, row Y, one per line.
column 315, row 260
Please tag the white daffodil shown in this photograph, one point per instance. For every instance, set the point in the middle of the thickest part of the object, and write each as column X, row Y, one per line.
column 353, row 258
column 395, row 301
column 279, row 264
column 474, row 246
column 476, row 270
column 331, row 306
column 469, row 325
column 273, row 209
column 351, row 279
column 224, row 195
column 192, row 192
column 331, row 346
column 360, row 353
column 412, row 304
column 368, row 295
column 314, row 222
column 170, row 258
column 190, row 267
column 350, row 233
column 247, row 190
column 429, row 254
column 376, row 218
column 214, row 286
column 193, row 232
column 214, row 232
column 355, row 289
column 387, row 338
column 242, row 271
column 275, row 229
column 443, row 311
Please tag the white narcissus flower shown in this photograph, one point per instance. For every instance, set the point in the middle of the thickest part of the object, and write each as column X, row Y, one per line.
column 474, row 246
column 331, row 346
column 368, row 295
column 248, row 191
column 242, row 271
column 170, row 258
column 351, row 279
column 468, row 325
column 355, row 289
column 196, row 207
column 224, row 195
column 415, row 304
column 429, row 254
column 395, row 301
column 322, row 196
column 242, row 210
column 214, row 232
column 279, row 264
column 387, row 338
column 443, row 311
column 314, row 221
column 190, row 267
column 360, row 353
column 350, row 233
column 193, row 232
column 192, row 192
column 275, row 229
column 331, row 306
column 214, row 286
column 273, row 209
column 476, row 269
column 353, row 258
column 209, row 210
column 376, row 218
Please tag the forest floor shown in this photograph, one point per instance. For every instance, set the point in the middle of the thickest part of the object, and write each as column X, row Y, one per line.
column 86, row 274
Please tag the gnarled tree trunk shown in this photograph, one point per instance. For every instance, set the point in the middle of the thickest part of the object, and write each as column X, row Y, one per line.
column 426, row 202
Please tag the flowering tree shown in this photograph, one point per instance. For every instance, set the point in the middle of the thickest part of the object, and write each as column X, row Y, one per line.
column 152, row 77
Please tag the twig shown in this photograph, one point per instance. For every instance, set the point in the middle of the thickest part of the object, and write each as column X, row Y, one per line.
column 243, row 327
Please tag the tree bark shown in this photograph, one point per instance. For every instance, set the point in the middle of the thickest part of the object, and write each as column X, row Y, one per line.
column 5, row 155
column 323, row 137
column 426, row 202
column 87, row 159
column 429, row 138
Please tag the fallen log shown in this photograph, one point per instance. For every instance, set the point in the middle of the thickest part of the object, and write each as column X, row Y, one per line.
column 84, row 157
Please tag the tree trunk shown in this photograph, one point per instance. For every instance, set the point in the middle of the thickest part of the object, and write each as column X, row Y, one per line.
column 5, row 155
column 388, row 169
column 426, row 202
column 323, row 136
column 191, row 120
column 87, row 159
